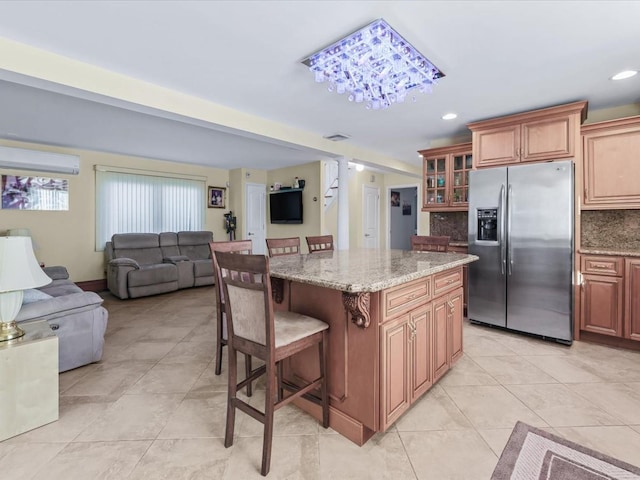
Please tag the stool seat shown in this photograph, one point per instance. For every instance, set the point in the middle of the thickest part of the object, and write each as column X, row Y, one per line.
column 291, row 327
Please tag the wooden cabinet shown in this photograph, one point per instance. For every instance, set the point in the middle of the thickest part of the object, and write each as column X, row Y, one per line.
column 419, row 346
column 547, row 134
column 395, row 369
column 445, row 178
column 465, row 276
column 601, row 304
column 610, row 296
column 611, row 152
column 632, row 291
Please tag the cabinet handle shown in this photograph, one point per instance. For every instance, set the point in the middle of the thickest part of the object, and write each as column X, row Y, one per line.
column 599, row 265
column 451, row 280
column 411, row 296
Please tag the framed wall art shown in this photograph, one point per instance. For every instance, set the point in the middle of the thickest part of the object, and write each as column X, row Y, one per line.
column 34, row 193
column 215, row 197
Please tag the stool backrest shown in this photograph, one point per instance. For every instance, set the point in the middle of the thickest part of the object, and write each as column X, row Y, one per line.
column 426, row 243
column 283, row 246
column 320, row 243
column 233, row 246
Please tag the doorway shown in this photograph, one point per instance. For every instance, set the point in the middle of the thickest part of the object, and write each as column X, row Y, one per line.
column 256, row 216
column 403, row 216
column 370, row 216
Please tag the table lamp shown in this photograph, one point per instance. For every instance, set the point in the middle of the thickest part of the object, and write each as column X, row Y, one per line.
column 19, row 270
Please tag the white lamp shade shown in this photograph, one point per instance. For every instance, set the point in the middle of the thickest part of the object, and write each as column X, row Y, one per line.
column 19, row 268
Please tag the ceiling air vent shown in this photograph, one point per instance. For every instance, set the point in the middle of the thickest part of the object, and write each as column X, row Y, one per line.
column 336, row 137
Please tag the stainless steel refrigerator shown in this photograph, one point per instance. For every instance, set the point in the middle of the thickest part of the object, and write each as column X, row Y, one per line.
column 521, row 227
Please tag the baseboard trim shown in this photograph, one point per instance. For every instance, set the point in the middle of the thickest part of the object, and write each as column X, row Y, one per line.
column 610, row 341
column 93, row 285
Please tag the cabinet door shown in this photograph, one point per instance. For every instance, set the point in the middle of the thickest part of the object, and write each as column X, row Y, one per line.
column 460, row 166
column 440, row 345
column 601, row 305
column 436, row 181
column 632, row 316
column 395, row 369
column 611, row 168
column 496, row 146
column 548, row 139
column 455, row 304
column 420, row 341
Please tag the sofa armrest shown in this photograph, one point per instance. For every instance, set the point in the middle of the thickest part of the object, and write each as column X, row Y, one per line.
column 175, row 259
column 124, row 262
column 59, row 306
column 57, row 272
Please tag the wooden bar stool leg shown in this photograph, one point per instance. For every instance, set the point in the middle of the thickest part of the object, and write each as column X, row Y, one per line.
column 280, row 377
column 231, row 399
column 247, row 371
column 268, row 419
column 324, row 391
column 219, row 346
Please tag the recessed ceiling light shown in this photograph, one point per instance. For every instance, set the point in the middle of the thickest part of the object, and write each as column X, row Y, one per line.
column 625, row 74
column 449, row 116
column 359, row 167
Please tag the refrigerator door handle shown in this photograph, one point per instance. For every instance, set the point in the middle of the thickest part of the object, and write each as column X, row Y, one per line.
column 509, row 210
column 503, row 243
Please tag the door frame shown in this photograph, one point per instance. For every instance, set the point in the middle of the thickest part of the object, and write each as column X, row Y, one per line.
column 418, row 188
column 377, row 188
column 246, row 207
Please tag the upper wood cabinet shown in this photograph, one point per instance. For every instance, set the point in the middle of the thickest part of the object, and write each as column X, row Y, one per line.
column 611, row 152
column 445, row 178
column 547, row 134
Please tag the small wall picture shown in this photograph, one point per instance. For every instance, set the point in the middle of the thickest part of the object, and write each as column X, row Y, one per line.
column 395, row 198
column 216, row 197
column 406, row 208
column 34, row 193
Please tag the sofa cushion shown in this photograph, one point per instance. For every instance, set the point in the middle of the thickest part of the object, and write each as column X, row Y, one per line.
column 31, row 295
column 169, row 244
column 195, row 245
column 58, row 288
column 203, row 268
column 144, row 248
column 153, row 274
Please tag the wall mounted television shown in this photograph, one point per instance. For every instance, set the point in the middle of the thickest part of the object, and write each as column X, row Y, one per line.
column 285, row 206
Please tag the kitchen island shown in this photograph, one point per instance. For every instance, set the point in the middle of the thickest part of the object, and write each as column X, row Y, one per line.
column 395, row 321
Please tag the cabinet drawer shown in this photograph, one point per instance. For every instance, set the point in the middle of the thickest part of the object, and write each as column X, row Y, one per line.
column 406, row 297
column 602, row 265
column 446, row 281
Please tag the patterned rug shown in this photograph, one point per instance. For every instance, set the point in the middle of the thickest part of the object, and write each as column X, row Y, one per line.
column 533, row 454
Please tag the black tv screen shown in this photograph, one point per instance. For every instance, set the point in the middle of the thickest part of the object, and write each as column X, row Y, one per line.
column 286, row 207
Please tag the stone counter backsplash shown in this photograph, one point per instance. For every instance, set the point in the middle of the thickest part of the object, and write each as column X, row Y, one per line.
column 452, row 224
column 611, row 229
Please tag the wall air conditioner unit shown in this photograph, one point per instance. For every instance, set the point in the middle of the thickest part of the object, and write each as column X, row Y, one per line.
column 38, row 161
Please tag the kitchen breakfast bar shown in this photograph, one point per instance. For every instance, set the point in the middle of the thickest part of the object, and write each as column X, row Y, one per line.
column 395, row 321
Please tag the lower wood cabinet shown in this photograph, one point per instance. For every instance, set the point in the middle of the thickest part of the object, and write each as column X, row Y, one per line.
column 602, row 305
column 632, row 311
column 417, row 348
column 610, row 296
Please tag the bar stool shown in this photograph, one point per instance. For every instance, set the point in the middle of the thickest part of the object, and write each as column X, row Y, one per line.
column 320, row 243
column 238, row 247
column 254, row 329
column 283, row 246
column 426, row 243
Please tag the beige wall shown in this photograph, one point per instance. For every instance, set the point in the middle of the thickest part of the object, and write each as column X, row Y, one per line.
column 68, row 238
column 621, row 111
column 311, row 201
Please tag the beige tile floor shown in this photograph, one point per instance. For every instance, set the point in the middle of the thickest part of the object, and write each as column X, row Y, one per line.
column 153, row 409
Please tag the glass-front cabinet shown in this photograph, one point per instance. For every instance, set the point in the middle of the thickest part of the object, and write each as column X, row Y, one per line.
column 446, row 177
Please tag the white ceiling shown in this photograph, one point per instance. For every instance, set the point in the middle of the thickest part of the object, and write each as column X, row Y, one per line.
column 499, row 57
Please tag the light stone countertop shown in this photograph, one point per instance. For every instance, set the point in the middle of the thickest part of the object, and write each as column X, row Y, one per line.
column 364, row 270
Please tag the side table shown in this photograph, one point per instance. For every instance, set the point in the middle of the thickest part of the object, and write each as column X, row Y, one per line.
column 28, row 380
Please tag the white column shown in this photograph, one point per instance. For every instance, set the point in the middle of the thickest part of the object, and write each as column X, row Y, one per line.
column 343, row 203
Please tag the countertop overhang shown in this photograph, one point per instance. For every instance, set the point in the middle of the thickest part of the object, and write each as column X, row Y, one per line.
column 364, row 270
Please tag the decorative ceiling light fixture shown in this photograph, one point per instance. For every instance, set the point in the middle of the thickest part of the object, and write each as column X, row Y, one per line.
column 373, row 65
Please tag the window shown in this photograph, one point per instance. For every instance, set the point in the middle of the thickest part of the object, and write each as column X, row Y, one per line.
column 128, row 201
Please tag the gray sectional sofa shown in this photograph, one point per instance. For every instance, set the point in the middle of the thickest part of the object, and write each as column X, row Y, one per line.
column 77, row 318
column 141, row 264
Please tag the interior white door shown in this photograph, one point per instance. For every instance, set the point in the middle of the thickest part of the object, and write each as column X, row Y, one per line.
column 370, row 216
column 256, row 216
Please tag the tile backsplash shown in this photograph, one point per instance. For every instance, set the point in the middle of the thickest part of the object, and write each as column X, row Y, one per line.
column 611, row 229
column 453, row 224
